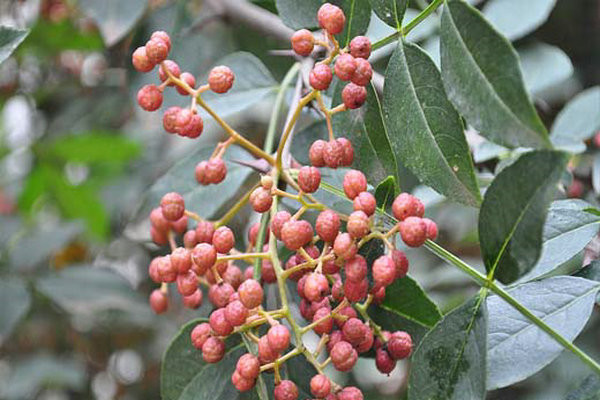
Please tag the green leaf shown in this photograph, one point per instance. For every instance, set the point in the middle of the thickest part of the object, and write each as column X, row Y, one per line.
column 543, row 66
column 386, row 192
column 49, row 38
column 482, row 77
column 516, row 18
column 10, row 38
column 589, row 389
column 425, row 131
column 564, row 303
column 369, row 134
column 14, row 304
column 252, row 83
column 577, row 121
column 115, row 18
column 390, row 11
column 450, row 362
column 407, row 298
column 358, row 16
column 94, row 147
column 391, row 321
column 568, row 229
column 180, row 178
column 513, row 212
column 185, row 376
column 299, row 14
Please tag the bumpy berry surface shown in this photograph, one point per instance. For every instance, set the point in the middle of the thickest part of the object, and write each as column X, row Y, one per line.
column 315, row 153
column 296, row 234
column 261, row 199
column 309, row 179
column 345, row 65
column 150, row 97
column 303, row 42
column 360, row 47
column 331, row 18
column 328, row 225
column 354, row 95
column 220, row 79
column 251, row 293
column 413, row 231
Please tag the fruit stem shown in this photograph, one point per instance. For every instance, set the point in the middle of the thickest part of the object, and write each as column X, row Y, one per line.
column 235, row 208
column 244, row 256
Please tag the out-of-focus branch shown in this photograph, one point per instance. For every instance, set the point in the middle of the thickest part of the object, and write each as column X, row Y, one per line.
column 263, row 21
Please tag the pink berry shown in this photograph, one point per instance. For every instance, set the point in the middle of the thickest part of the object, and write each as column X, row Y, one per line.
column 413, row 231
column 219, row 324
column 261, row 199
column 356, row 268
column 309, row 179
column 354, row 183
column 279, row 338
column 296, row 234
column 406, row 205
column 356, row 291
column 320, row 386
column 331, row 18
column 385, row 364
column 205, row 231
column 236, row 313
column 326, row 325
column 248, row 366
column 242, row 384
column 181, row 259
column 158, row 221
column 333, row 154
column 354, row 331
column 163, row 36
column 348, row 151
column 320, row 77
column 354, row 95
column 328, row 225
column 343, row 356
column 303, row 42
column 401, row 263
column 189, row 79
column 315, row 153
column 316, row 286
column 170, row 119
column 363, row 72
column 223, row 240
column 358, row 224
column 158, row 301
column 150, row 97
column 400, row 345
column 220, row 79
column 432, row 230
column 172, row 67
column 344, row 246
column 213, row 350
column 194, row 300
column 265, row 353
column 172, row 206
column 153, row 270
column 140, row 60
column 280, row 218
column 286, row 390
column 345, row 65
column 216, row 170
column 219, row 294
column 350, row 393
column 199, row 334
column 157, row 50
column 384, row 271
column 187, row 283
column 360, row 47
column 204, row 256
column 251, row 293
column 365, row 202
column 166, row 270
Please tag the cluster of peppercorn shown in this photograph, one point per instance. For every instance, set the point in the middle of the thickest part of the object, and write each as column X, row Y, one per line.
column 332, row 277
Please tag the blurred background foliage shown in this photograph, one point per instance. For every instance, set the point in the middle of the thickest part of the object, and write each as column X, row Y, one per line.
column 81, row 166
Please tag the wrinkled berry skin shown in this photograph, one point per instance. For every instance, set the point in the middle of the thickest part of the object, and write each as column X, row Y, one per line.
column 343, row 356
column 241, row 384
column 172, row 206
column 199, row 334
column 324, row 326
column 345, row 66
column 172, row 67
column 347, row 151
column 315, row 287
column 413, row 231
column 320, row 77
column 286, row 390
column 219, row 324
column 220, row 79
column 303, row 42
column 333, row 154
column 320, row 386
column 384, row 271
column 157, row 50
column 365, row 202
column 223, row 240
column 150, row 97
column 279, row 219
column 251, row 293
column 401, row 263
column 213, row 350
column 344, row 246
column 279, row 338
column 354, row 183
column 384, row 363
column 406, row 205
column 204, row 256
column 331, row 18
column 309, row 179
column 315, row 153
column 400, row 345
column 350, row 393
column 328, row 225
column 194, row 300
column 358, row 224
column 261, row 199
column 354, row 96
column 296, row 234
column 360, row 47
column 363, row 72
column 236, row 313
column 356, row 291
column 140, row 60
column 432, row 230
column 205, row 231
column 356, row 268
column 248, row 366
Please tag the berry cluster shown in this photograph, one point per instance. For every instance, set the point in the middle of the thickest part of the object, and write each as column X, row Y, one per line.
column 335, row 282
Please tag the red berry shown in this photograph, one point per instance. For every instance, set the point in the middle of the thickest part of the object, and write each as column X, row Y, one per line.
column 574, row 190
column 223, row 240
column 432, row 230
column 166, row 270
column 170, row 119
column 193, row 128
column 189, row 239
column 315, row 153
column 200, row 173
column 348, row 151
column 365, row 202
column 172, row 67
column 333, row 154
column 320, row 78
column 140, row 60
column 358, row 224
column 356, row 268
column 204, row 256
column 153, row 270
column 331, row 18
column 344, row 315
column 181, row 259
column 219, row 268
column 248, row 366
column 187, row 283
column 251, row 293
column 194, row 300
column 265, row 353
column 303, row 42
column 279, row 338
column 296, row 234
column 242, row 384
column 386, row 336
column 327, row 225
column 337, row 290
column 253, row 234
column 334, row 338
column 180, row 225
column 355, row 182
column 213, row 350
column 216, row 170
column 158, row 221
column 367, row 342
column 189, row 79
column 156, row 50
column 199, row 334
column 158, row 237
column 320, row 386
column 354, row 95
column 219, row 324
column 158, row 301
column 150, row 98
column 162, row 35
column 350, row 393
column 406, row 205
column 219, row 294
column 401, row 263
column 261, row 199
column 413, row 231
column 356, row 291
column 344, row 246
column 385, row 364
column 279, row 219
column 316, row 286
column 345, row 65
column 363, row 72
column 360, row 47
column 326, row 325
column 384, row 271
column 205, row 231
column 343, row 356
column 220, row 79
column 309, row 179
column 378, row 295
column 400, row 345
column 330, row 267
column 354, row 331
column 236, row 313
column 286, row 390
column 172, row 206
column 233, row 275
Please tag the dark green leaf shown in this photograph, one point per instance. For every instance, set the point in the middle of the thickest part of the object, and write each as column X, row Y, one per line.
column 482, row 77
column 385, row 192
column 299, row 14
column 406, row 298
column 358, row 15
column 425, row 131
column 577, row 121
column 450, row 362
column 114, row 17
column 513, row 212
column 390, row 11
column 391, row 321
column 589, row 389
column 185, row 375
column 94, row 147
column 568, row 229
column 14, row 304
column 564, row 303
column 531, row 14
column 369, row 134
column 10, row 38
